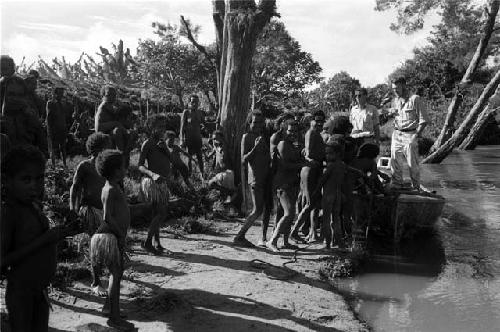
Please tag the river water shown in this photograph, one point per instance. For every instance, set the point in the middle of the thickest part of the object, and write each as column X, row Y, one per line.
column 463, row 292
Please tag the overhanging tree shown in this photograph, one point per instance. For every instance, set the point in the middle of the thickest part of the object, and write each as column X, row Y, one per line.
column 461, row 24
column 461, row 133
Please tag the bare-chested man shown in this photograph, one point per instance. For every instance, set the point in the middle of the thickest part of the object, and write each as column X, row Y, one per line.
column 255, row 153
column 57, row 129
column 85, row 194
column 107, row 120
column 190, row 131
column 286, row 182
column 309, row 176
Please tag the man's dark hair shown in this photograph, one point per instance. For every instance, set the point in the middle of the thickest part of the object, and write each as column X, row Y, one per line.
column 96, row 143
column 194, row 95
column 369, row 151
column 156, row 120
column 362, row 91
column 399, row 80
column 108, row 162
column 19, row 157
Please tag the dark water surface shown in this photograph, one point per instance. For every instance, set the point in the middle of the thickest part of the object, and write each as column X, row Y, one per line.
column 463, row 293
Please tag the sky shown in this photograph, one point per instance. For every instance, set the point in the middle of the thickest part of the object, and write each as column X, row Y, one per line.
column 341, row 35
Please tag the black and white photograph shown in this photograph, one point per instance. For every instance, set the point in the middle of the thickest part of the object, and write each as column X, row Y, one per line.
column 250, row 165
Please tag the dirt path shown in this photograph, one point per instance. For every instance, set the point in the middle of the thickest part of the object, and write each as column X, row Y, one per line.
column 209, row 285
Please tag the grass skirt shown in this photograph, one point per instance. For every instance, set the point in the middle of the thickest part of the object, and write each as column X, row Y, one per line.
column 92, row 217
column 156, row 193
column 104, row 251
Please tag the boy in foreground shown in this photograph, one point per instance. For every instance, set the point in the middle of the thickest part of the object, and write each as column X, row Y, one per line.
column 28, row 255
column 85, row 195
column 107, row 246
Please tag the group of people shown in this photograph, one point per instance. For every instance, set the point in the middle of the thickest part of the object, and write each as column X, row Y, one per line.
column 320, row 170
column 306, row 173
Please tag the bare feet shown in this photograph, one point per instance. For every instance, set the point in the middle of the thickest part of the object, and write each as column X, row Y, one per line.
column 297, row 239
column 311, row 239
column 120, row 324
column 272, row 246
column 243, row 242
column 149, row 248
column 290, row 246
column 98, row 290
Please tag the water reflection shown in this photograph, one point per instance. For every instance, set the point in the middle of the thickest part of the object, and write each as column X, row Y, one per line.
column 453, row 285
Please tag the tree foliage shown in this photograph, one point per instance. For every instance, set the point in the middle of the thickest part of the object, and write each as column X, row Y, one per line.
column 281, row 68
column 334, row 95
column 436, row 68
column 171, row 66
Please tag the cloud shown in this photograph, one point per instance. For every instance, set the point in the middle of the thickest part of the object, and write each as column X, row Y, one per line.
column 341, row 35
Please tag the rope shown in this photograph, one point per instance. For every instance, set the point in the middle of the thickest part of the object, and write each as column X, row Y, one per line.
column 278, row 272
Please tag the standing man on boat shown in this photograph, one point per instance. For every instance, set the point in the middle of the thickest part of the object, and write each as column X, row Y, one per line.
column 364, row 119
column 410, row 121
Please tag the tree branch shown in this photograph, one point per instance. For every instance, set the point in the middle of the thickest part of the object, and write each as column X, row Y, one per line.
column 219, row 11
column 190, row 36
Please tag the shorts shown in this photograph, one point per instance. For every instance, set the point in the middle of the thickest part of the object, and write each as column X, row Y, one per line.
column 92, row 217
column 156, row 193
column 104, row 251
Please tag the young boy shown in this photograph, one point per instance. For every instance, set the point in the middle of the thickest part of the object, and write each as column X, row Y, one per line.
column 154, row 186
column 331, row 182
column 85, row 194
column 309, row 176
column 57, row 130
column 255, row 153
column 286, row 182
column 107, row 246
column 28, row 247
column 175, row 156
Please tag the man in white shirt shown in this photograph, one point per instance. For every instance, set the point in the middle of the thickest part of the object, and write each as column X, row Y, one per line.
column 409, row 123
column 364, row 119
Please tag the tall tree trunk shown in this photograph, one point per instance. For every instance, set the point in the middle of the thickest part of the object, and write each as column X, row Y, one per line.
column 471, row 141
column 447, row 130
column 459, row 135
column 243, row 21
